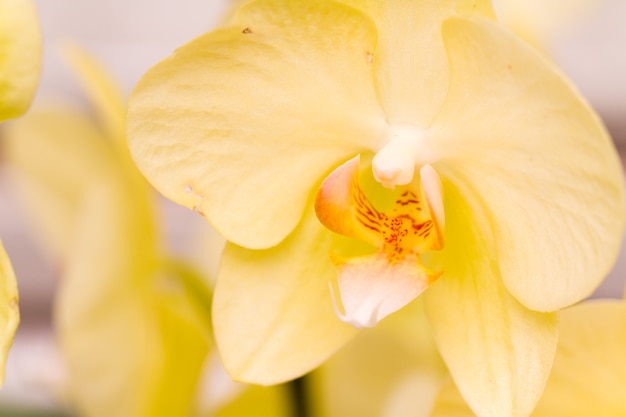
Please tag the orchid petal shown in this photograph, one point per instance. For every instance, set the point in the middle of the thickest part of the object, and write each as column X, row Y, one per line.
column 410, row 62
column 272, row 311
column 339, row 200
column 260, row 109
column 20, row 56
column 103, row 92
column 72, row 153
column 534, row 150
column 589, row 374
column 472, row 315
column 109, row 103
column 433, row 196
column 9, row 310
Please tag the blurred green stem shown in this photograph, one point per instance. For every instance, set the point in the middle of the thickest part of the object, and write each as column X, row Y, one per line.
column 299, row 393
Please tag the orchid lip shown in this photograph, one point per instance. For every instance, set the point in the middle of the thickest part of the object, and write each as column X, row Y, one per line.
column 370, row 287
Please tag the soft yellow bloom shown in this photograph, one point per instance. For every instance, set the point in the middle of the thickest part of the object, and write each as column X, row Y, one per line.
column 20, row 56
column 417, row 139
column 589, row 373
column 20, row 65
column 133, row 324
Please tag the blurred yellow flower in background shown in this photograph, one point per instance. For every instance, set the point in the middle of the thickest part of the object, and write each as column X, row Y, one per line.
column 259, row 126
column 392, row 370
column 255, row 401
column 20, row 66
column 133, row 323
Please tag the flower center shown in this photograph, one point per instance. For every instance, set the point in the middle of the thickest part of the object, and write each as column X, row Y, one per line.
column 395, row 163
column 373, row 286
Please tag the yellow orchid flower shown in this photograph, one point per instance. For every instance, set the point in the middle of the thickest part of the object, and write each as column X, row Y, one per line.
column 589, row 373
column 133, row 324
column 20, row 66
column 386, row 148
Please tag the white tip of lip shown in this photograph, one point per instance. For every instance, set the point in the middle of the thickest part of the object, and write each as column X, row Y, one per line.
column 370, row 287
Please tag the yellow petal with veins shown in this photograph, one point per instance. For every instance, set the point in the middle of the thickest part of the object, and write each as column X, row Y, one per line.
column 272, row 310
column 589, row 374
column 271, row 103
column 472, row 315
column 20, row 56
column 411, row 67
column 538, row 155
column 9, row 311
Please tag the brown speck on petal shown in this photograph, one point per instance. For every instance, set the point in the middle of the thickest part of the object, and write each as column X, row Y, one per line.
column 198, row 209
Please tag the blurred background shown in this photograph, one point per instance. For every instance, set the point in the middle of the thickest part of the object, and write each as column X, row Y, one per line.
column 128, row 37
